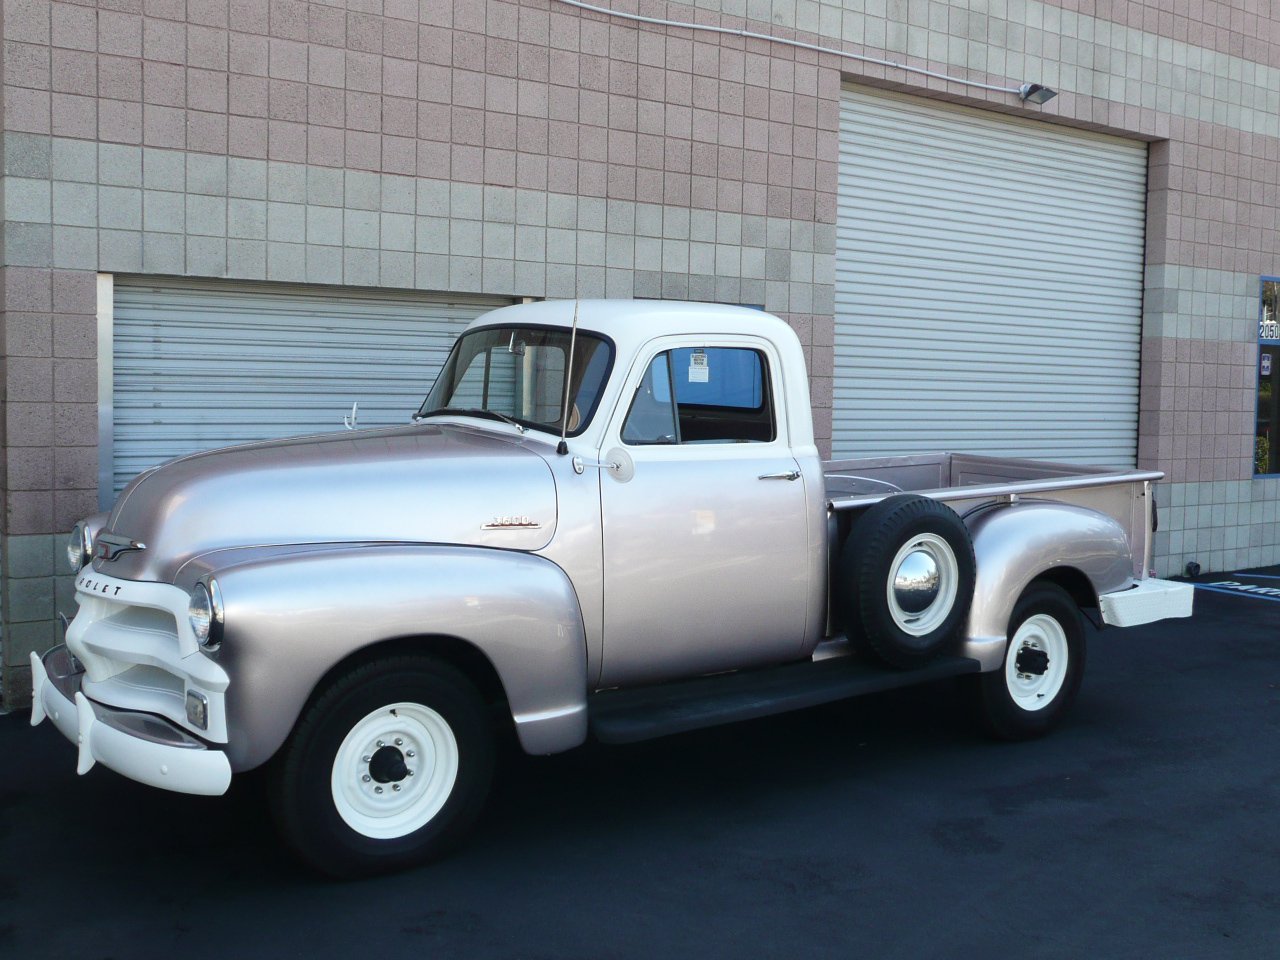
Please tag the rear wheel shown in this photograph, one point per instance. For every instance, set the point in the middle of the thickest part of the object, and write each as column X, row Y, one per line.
column 388, row 767
column 1043, row 666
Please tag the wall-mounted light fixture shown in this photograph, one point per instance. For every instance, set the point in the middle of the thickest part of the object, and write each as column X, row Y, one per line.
column 1036, row 93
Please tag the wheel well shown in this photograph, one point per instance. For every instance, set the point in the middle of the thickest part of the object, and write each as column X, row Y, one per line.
column 1075, row 583
column 459, row 654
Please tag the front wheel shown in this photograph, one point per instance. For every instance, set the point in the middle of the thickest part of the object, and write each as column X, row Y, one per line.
column 388, row 767
column 1042, row 669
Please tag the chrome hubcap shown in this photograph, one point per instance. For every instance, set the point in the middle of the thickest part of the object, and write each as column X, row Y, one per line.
column 915, row 585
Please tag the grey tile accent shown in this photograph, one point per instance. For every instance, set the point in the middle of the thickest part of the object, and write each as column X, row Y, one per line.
column 397, row 232
column 27, row 201
column 32, row 556
column 120, row 251
column 287, row 262
column 286, row 222
column 207, row 217
column 206, row 174
column 324, row 264
column 360, row 267
column 75, row 248
column 464, row 274
column 27, row 155
column 166, row 170
column 163, row 212
column 499, row 205
column 119, row 165
column 396, row 269
column 466, row 201
column 247, row 178
column 433, row 198
column 74, row 204
column 530, row 278
column 247, row 219
column 207, row 255
column 73, row 160
column 466, row 239
column 324, row 227
column 399, row 194
column 247, row 259
column 363, row 191
column 163, row 253
column 431, row 272
column 287, row 182
column 28, row 244
column 360, row 228
column 432, row 235
column 120, row 208
column 324, row 187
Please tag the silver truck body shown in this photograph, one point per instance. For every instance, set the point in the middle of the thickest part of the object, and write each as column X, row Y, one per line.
column 550, row 574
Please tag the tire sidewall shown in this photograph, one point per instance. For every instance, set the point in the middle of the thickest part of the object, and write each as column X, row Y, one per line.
column 303, row 794
column 1004, row 716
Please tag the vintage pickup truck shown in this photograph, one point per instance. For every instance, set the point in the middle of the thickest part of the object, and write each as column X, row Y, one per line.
column 647, row 545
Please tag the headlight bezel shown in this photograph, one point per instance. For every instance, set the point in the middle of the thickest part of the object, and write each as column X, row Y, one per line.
column 205, row 613
column 79, row 547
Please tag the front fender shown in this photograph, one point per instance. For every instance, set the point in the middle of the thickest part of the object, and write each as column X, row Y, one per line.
column 289, row 620
column 1015, row 544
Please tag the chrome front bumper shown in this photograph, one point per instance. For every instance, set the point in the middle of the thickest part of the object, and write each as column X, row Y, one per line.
column 140, row 746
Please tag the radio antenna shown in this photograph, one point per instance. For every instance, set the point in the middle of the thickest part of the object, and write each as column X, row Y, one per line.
column 562, row 447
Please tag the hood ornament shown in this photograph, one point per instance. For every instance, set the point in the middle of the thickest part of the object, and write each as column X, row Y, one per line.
column 108, row 546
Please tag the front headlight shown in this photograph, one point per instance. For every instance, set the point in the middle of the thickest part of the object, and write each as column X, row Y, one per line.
column 204, row 611
column 79, row 547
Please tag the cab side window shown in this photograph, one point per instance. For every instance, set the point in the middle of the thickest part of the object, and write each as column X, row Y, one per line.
column 703, row 395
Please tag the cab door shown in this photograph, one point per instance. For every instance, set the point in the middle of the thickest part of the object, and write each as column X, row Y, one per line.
column 706, row 552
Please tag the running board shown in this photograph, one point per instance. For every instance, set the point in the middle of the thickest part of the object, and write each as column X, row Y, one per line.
column 643, row 713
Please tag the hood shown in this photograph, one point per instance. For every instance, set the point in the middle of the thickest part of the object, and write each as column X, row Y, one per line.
column 425, row 483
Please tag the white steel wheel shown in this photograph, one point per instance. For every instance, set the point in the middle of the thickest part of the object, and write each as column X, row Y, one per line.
column 387, row 767
column 1038, row 679
column 923, row 581
column 394, row 770
column 1036, row 662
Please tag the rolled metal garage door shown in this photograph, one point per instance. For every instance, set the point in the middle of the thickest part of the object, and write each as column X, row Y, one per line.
column 988, row 284
column 202, row 364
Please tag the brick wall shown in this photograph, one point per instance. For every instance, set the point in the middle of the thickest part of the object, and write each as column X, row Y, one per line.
column 524, row 148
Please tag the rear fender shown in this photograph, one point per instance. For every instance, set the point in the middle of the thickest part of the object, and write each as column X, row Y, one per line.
column 1016, row 543
column 290, row 620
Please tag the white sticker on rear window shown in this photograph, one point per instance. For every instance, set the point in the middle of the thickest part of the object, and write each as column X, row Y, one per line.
column 699, row 371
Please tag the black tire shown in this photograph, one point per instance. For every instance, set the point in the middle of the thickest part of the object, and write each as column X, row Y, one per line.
column 1016, row 704
column 890, row 535
column 427, row 704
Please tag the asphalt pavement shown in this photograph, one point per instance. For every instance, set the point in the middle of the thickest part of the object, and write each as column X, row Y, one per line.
column 1148, row 826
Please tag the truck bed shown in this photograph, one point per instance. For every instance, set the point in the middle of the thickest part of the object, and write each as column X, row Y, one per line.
column 851, row 484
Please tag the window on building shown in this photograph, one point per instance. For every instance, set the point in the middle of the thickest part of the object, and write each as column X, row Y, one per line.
column 1266, row 444
column 721, row 395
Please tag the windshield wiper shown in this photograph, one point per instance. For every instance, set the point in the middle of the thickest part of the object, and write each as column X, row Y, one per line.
column 469, row 412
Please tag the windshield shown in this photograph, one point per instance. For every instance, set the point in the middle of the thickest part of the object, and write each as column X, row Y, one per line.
column 517, row 373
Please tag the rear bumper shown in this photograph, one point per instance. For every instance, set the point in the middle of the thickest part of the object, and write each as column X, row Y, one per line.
column 140, row 746
column 1147, row 601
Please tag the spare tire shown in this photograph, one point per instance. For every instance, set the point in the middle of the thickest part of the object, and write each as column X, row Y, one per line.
column 905, row 579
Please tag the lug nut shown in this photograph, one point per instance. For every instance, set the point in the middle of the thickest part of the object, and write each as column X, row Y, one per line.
column 399, row 742
column 381, row 744
column 366, row 778
column 367, row 759
column 410, row 753
column 377, row 789
column 395, row 787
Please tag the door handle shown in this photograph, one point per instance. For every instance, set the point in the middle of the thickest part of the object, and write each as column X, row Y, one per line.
column 785, row 475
